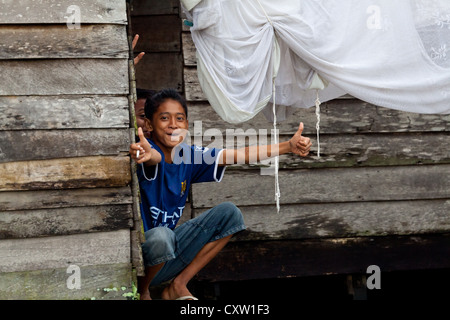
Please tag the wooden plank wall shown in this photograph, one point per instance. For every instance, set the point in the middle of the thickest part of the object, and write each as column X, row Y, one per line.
column 65, row 186
column 379, row 194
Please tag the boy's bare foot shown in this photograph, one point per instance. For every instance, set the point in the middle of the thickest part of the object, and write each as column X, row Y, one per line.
column 145, row 295
column 174, row 291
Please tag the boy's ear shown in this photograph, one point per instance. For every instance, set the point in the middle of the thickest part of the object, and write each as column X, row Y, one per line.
column 148, row 125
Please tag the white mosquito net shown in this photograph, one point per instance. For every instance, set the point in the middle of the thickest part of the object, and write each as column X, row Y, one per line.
column 392, row 53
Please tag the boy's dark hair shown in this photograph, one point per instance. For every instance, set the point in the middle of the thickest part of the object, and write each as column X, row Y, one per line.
column 145, row 93
column 152, row 104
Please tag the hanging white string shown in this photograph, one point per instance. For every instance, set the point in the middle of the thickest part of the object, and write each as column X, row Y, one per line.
column 277, row 158
column 265, row 12
column 318, row 122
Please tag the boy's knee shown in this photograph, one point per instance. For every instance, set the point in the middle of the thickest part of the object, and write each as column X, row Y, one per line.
column 230, row 210
column 159, row 242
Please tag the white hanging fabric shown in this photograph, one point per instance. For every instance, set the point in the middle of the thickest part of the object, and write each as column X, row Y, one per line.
column 394, row 54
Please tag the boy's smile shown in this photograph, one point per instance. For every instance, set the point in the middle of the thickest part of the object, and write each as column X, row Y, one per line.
column 168, row 126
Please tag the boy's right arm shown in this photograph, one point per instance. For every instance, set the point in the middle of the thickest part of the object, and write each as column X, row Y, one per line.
column 147, row 154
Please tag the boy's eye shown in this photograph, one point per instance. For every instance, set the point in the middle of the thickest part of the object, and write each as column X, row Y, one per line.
column 180, row 118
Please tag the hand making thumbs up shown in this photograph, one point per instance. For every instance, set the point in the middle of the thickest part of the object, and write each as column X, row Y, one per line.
column 300, row 145
column 142, row 151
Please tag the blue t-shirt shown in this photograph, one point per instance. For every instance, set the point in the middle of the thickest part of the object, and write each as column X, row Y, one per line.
column 165, row 186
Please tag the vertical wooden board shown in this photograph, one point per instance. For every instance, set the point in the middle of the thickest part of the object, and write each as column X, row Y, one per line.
column 192, row 88
column 56, row 41
column 136, row 252
column 98, row 248
column 160, row 70
column 83, row 172
column 95, row 283
column 64, row 76
column 63, row 11
column 189, row 50
column 63, row 112
column 165, row 36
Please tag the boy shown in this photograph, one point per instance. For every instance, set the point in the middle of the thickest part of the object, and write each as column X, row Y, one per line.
column 139, row 108
column 167, row 168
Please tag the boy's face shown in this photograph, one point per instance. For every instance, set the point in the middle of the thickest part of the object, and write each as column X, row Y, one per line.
column 139, row 110
column 168, row 125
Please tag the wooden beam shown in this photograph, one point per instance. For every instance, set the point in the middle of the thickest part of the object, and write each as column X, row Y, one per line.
column 69, row 198
column 350, row 116
column 247, row 188
column 62, row 251
column 51, row 284
column 52, row 144
column 57, row 41
column 64, row 76
column 83, row 172
column 279, row 259
column 64, row 221
column 62, row 11
column 342, row 220
column 343, row 150
column 63, row 112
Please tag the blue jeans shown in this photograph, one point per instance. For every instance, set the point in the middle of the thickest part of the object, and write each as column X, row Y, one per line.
column 177, row 248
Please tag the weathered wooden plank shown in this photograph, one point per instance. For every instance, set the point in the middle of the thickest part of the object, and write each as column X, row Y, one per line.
column 83, row 172
column 165, row 36
column 51, row 199
column 327, row 185
column 337, row 116
column 288, row 258
column 52, row 144
column 136, row 252
column 351, row 150
column 64, row 221
column 63, row 112
column 160, row 70
column 64, row 76
column 154, row 7
column 56, row 41
column 189, row 50
column 63, row 11
column 341, row 220
column 62, row 251
column 51, row 284
column 192, row 88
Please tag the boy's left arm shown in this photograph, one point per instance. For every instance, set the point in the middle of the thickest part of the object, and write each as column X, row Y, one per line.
column 297, row 144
